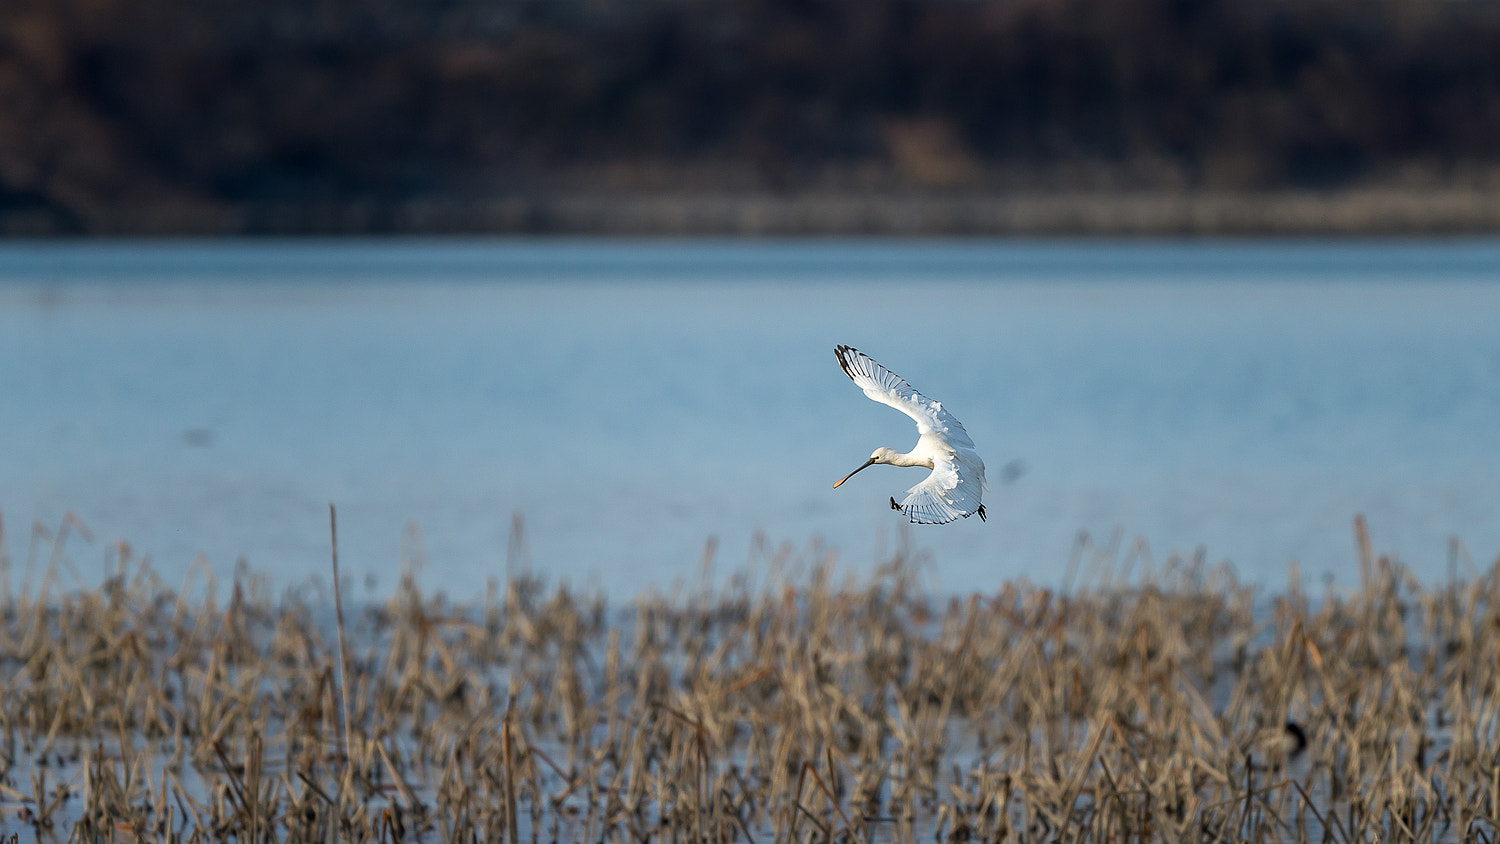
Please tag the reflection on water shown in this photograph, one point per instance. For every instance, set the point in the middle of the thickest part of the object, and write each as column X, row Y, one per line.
column 632, row 400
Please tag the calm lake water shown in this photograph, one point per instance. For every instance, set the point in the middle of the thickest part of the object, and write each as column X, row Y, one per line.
column 634, row 399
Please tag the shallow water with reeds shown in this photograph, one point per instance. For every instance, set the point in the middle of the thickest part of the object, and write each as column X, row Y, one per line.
column 597, row 586
column 799, row 703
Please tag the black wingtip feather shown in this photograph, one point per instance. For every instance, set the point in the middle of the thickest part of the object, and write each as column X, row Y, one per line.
column 843, row 354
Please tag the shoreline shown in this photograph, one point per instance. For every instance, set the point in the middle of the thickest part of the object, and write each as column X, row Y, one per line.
column 1345, row 213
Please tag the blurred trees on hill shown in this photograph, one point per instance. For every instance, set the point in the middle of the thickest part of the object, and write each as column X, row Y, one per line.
column 109, row 104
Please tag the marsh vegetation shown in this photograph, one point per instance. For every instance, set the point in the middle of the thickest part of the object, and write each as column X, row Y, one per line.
column 1147, row 699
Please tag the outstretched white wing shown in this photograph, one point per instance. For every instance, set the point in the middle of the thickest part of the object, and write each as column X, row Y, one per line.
column 888, row 388
column 952, row 491
column 956, row 485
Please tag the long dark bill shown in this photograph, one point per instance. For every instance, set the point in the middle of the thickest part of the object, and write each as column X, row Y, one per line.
column 868, row 464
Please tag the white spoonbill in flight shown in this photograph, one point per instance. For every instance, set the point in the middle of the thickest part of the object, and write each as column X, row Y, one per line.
column 956, row 483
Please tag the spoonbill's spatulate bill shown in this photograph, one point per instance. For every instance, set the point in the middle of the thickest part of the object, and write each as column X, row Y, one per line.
column 956, row 483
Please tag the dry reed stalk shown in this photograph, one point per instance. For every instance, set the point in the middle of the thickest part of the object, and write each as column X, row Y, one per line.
column 338, row 606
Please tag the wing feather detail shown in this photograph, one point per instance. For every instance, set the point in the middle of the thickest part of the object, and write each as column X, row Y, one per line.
column 888, row 388
column 952, row 491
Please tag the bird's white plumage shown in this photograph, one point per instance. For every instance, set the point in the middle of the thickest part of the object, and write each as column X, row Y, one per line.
column 955, row 487
column 888, row 388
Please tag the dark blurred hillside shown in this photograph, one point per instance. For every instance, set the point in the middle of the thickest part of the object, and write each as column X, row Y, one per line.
column 381, row 115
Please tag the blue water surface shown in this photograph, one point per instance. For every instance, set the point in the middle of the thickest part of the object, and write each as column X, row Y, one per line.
column 633, row 399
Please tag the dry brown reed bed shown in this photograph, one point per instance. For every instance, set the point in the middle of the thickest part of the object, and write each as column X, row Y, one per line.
column 802, row 710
